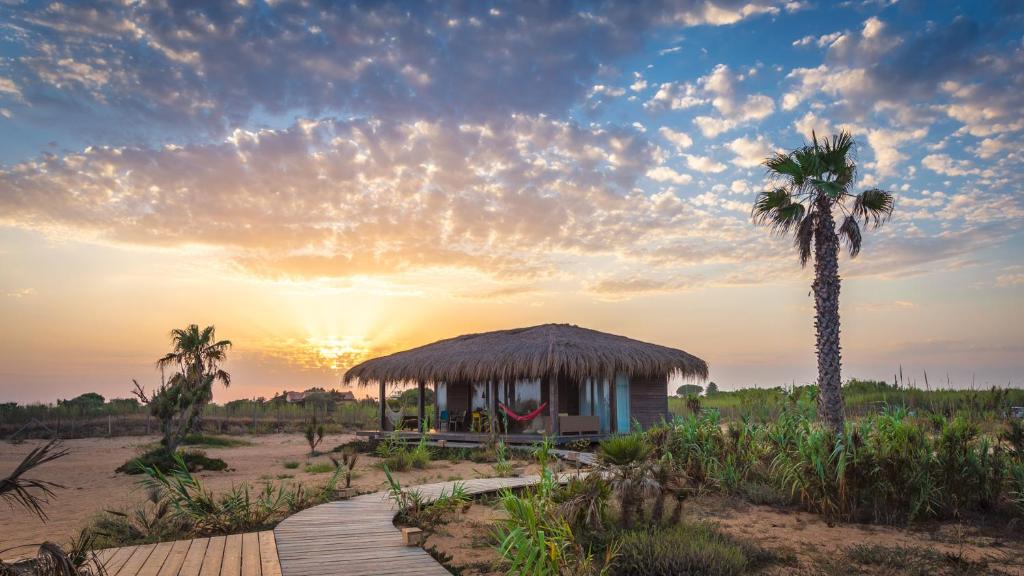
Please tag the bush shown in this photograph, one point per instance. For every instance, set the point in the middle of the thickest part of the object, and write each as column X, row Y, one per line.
column 319, row 468
column 195, row 460
column 291, row 464
column 690, row 549
column 399, row 461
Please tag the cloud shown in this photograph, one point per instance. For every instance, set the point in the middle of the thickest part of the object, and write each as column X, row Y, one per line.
column 721, row 89
column 666, row 174
column 341, row 198
column 678, row 139
column 213, row 66
column 20, row 293
column 750, row 152
column 704, row 164
column 947, row 166
column 1011, row 276
column 820, row 41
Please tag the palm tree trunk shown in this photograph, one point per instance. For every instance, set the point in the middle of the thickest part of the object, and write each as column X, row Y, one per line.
column 826, row 318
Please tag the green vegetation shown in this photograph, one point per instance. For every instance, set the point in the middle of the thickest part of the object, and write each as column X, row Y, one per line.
column 181, row 507
column 17, row 489
column 680, row 549
column 894, row 467
column 417, row 510
column 814, row 181
column 314, row 434
column 195, row 461
column 291, row 464
column 861, row 398
column 178, row 403
column 319, row 468
column 689, row 390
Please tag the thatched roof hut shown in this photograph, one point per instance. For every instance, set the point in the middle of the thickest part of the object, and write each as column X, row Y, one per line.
column 527, row 353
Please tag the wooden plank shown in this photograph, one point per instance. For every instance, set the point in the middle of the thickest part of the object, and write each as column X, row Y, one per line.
column 135, row 563
column 270, row 565
column 232, row 564
column 193, row 562
column 251, row 554
column 175, row 558
column 121, row 555
column 213, row 557
column 156, row 559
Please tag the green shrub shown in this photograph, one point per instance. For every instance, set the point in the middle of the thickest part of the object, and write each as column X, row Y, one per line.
column 399, row 461
column 623, row 450
column 291, row 464
column 683, row 549
column 319, row 468
column 195, row 460
column 420, row 456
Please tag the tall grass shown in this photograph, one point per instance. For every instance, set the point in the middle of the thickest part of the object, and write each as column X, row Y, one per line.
column 892, row 467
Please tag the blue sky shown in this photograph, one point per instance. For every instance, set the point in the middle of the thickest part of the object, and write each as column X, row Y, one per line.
column 568, row 161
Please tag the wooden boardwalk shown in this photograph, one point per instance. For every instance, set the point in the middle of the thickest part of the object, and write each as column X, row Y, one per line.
column 249, row 554
column 355, row 537
column 358, row 537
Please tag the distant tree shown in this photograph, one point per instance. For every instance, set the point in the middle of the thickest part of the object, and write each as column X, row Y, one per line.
column 814, row 184
column 410, row 397
column 197, row 355
column 689, row 390
column 87, row 401
column 712, row 389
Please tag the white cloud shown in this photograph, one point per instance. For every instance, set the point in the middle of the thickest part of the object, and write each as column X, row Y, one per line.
column 666, row 174
column 946, row 165
column 680, row 140
column 704, row 164
column 810, row 124
column 750, row 152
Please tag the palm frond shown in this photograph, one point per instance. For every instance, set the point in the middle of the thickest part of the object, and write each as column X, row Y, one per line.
column 31, row 493
column 874, row 206
column 804, row 238
column 776, row 209
column 850, row 233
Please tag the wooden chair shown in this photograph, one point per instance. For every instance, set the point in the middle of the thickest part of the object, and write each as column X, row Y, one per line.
column 458, row 420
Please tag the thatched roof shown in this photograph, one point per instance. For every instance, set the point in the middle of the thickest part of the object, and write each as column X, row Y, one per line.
column 532, row 352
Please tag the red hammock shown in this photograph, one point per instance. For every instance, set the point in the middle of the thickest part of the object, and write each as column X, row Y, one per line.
column 522, row 418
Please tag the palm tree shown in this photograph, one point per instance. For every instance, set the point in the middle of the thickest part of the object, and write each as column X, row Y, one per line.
column 197, row 356
column 813, row 186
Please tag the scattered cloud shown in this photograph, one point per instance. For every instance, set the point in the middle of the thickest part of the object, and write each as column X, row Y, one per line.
column 750, row 152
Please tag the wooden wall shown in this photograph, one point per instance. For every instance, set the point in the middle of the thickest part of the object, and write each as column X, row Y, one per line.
column 648, row 400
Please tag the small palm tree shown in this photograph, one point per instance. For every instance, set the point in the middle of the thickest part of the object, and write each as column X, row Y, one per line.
column 814, row 184
column 196, row 354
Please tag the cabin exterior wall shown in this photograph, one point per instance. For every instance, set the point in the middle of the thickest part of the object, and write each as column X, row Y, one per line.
column 648, row 400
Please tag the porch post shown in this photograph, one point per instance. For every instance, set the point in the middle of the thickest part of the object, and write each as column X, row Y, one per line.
column 492, row 406
column 612, row 408
column 553, row 403
column 383, row 409
column 421, row 408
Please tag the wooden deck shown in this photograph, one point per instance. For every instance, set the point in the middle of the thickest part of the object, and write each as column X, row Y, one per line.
column 355, row 537
column 481, row 437
column 249, row 554
column 358, row 537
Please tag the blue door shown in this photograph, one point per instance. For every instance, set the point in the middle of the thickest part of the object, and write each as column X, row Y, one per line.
column 622, row 420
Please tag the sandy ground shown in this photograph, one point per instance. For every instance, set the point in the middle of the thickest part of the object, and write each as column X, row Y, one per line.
column 91, row 485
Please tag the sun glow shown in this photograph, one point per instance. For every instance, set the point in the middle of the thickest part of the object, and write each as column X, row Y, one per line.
column 338, row 354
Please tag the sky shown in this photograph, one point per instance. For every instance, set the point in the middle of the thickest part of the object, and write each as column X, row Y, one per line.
column 325, row 182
